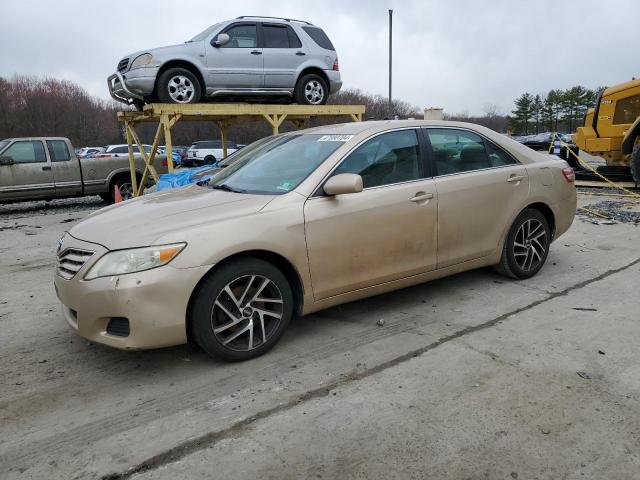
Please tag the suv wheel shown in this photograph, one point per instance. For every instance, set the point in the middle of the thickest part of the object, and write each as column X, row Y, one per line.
column 178, row 85
column 311, row 90
column 526, row 246
column 209, row 160
column 242, row 310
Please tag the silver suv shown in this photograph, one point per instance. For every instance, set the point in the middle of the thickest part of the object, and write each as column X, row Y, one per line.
column 246, row 57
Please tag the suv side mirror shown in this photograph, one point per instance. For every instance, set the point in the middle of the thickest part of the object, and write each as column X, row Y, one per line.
column 343, row 183
column 7, row 160
column 221, row 40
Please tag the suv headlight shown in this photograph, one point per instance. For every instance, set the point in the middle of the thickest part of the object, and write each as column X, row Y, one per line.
column 134, row 260
column 142, row 61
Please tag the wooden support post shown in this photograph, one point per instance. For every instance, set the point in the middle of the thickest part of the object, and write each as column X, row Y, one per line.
column 148, row 159
column 166, row 125
column 356, row 117
column 275, row 121
column 132, row 161
column 222, row 125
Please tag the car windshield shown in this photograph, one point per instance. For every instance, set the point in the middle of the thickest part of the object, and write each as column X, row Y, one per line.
column 280, row 166
column 3, row 144
column 250, row 149
column 204, row 34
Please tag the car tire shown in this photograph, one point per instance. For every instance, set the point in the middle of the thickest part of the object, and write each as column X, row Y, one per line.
column 126, row 190
column 209, row 160
column 526, row 247
column 311, row 89
column 178, row 85
column 634, row 163
column 227, row 326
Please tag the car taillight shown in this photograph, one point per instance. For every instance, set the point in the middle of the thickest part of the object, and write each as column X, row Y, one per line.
column 165, row 163
column 103, row 155
column 569, row 174
column 336, row 66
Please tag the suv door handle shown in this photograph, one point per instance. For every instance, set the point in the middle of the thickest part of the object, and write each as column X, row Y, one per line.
column 46, row 167
column 300, row 53
column 515, row 178
column 421, row 197
column 256, row 52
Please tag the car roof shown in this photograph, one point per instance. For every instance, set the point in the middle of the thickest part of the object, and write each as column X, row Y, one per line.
column 374, row 126
column 31, row 138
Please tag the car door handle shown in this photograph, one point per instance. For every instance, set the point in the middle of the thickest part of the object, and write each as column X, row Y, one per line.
column 256, row 52
column 515, row 178
column 300, row 54
column 47, row 167
column 421, row 197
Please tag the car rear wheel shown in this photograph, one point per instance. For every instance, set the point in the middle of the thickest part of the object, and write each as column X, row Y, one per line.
column 178, row 85
column 242, row 310
column 526, row 247
column 209, row 160
column 311, row 90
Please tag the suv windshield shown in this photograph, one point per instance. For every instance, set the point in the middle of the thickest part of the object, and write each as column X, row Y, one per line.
column 280, row 166
column 204, row 34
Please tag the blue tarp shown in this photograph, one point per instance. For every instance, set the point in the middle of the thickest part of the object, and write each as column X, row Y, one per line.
column 186, row 176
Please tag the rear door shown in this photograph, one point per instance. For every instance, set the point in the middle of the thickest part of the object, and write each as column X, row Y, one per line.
column 66, row 169
column 29, row 175
column 283, row 52
column 239, row 63
column 480, row 188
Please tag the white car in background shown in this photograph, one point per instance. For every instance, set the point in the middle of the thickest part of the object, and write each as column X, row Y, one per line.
column 208, row 152
column 122, row 150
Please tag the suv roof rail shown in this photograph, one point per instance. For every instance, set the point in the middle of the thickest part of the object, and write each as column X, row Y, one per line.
column 275, row 18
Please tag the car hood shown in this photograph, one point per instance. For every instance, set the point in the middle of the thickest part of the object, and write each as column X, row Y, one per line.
column 160, row 53
column 141, row 221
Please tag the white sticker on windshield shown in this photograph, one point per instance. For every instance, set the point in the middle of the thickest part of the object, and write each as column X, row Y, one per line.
column 335, row 138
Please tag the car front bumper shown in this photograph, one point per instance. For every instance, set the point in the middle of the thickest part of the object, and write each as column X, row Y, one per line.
column 136, row 84
column 153, row 301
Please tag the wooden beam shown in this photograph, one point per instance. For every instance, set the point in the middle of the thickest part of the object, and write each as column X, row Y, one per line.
column 132, row 161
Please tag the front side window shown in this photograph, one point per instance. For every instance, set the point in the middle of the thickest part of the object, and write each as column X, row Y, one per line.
column 627, row 110
column 280, row 166
column 275, row 36
column 457, row 151
column 26, row 152
column 58, row 150
column 389, row 158
column 242, row 36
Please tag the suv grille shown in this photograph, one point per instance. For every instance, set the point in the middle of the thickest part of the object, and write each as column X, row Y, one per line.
column 123, row 64
column 72, row 260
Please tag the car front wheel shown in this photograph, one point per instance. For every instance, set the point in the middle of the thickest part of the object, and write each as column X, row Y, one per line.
column 241, row 310
column 178, row 85
column 527, row 245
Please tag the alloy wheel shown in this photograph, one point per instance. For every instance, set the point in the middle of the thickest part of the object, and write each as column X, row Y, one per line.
column 530, row 245
column 181, row 89
column 126, row 190
column 314, row 92
column 246, row 312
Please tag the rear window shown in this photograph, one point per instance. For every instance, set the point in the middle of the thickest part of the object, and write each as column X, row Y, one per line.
column 318, row 36
column 58, row 150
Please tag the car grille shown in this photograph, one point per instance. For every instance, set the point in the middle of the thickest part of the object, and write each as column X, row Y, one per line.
column 123, row 64
column 71, row 261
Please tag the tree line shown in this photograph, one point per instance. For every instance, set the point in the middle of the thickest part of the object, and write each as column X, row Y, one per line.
column 557, row 110
column 33, row 107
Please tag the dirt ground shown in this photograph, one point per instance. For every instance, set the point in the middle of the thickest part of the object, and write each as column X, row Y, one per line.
column 472, row 376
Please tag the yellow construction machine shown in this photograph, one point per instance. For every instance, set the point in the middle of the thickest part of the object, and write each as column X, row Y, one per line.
column 612, row 129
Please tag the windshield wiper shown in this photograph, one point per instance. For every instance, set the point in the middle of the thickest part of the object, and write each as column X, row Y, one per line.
column 226, row 188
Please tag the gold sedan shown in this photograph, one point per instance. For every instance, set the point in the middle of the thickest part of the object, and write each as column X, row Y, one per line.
column 305, row 221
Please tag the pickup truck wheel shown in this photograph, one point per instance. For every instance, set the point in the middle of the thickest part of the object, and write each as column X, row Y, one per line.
column 178, row 85
column 126, row 190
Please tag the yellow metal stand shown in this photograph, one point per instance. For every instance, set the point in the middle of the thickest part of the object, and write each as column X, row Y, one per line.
column 222, row 115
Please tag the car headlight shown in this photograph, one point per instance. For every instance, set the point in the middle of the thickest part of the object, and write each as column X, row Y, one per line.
column 134, row 260
column 142, row 61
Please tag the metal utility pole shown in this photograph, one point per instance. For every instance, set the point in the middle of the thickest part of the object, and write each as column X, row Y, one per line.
column 390, row 54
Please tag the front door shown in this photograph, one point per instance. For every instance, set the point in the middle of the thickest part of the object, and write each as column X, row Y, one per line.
column 480, row 187
column 25, row 172
column 66, row 169
column 384, row 233
column 283, row 53
column 239, row 63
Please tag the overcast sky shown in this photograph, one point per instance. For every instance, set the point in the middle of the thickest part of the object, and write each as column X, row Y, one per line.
column 455, row 54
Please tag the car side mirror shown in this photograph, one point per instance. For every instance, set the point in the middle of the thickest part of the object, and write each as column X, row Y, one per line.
column 343, row 183
column 7, row 160
column 221, row 39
